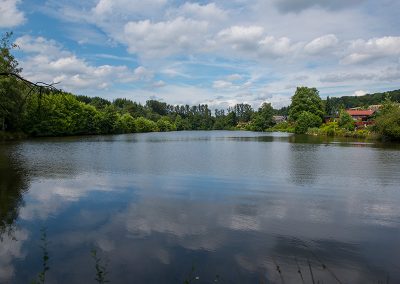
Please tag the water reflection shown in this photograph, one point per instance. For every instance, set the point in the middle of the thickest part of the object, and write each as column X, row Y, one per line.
column 304, row 163
column 233, row 207
column 13, row 184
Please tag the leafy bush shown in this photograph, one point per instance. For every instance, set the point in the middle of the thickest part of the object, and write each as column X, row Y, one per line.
column 125, row 124
column 263, row 119
column 284, row 126
column 330, row 128
column 182, row 123
column 145, row 125
column 333, row 129
column 346, row 121
column 387, row 122
column 306, row 120
column 163, row 124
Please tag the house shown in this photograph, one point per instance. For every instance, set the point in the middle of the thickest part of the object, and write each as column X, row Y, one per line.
column 361, row 114
column 362, row 117
column 279, row 118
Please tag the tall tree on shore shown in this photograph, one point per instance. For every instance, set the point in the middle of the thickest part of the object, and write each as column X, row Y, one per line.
column 263, row 119
column 306, row 99
column 11, row 95
column 387, row 123
column 328, row 106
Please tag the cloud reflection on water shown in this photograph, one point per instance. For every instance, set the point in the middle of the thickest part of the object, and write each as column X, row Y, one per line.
column 252, row 204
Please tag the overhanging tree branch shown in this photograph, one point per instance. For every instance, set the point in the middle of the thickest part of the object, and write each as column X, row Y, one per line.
column 32, row 84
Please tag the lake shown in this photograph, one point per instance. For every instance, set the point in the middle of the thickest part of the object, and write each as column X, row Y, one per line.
column 202, row 207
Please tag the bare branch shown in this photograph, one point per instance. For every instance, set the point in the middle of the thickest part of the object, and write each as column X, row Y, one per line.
column 32, row 84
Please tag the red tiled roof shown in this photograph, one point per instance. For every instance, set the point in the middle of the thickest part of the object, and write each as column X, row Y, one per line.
column 355, row 112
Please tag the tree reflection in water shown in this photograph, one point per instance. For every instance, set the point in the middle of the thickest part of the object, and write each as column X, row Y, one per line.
column 13, row 184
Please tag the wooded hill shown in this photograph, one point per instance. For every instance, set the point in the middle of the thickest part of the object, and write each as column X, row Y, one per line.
column 335, row 104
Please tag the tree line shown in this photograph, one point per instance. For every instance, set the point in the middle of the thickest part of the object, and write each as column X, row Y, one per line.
column 42, row 110
column 333, row 105
column 45, row 111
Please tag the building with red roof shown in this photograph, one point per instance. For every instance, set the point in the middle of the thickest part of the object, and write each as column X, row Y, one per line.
column 361, row 116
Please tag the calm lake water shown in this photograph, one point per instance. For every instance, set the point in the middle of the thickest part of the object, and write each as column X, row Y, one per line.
column 225, row 207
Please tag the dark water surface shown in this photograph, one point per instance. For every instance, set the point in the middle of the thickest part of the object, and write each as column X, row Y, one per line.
column 169, row 207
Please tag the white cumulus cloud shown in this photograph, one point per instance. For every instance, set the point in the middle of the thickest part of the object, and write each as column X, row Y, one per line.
column 359, row 93
column 208, row 11
column 276, row 47
column 321, row 44
column 364, row 51
column 10, row 15
column 241, row 37
column 164, row 38
column 50, row 62
column 105, row 8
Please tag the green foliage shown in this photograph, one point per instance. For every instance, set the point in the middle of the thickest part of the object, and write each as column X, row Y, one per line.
column 107, row 120
column 306, row 99
column 97, row 102
column 51, row 115
column 285, row 126
column 387, row 122
column 45, row 113
column 263, row 119
column 362, row 101
column 100, row 267
column 157, row 107
column 231, row 120
column 243, row 112
column 125, row 123
column 346, row 121
column 284, row 111
column 164, row 125
column 182, row 123
column 12, row 99
column 329, row 107
column 8, row 63
column 45, row 258
column 306, row 120
column 12, row 103
column 145, row 125
column 330, row 128
column 333, row 129
column 219, row 124
column 13, row 185
column 56, row 114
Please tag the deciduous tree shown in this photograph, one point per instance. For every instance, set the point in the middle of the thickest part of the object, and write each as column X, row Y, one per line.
column 306, row 99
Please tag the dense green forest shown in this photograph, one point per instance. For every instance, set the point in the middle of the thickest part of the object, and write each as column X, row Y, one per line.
column 42, row 110
column 333, row 105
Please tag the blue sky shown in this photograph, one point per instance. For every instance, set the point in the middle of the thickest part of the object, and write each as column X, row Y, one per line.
column 219, row 53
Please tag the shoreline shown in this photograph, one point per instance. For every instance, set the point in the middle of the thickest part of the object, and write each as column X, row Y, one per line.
column 312, row 132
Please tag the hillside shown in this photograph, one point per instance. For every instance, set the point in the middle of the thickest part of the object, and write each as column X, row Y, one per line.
column 363, row 101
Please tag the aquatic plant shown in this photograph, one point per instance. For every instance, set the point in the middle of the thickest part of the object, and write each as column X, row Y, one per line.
column 101, row 268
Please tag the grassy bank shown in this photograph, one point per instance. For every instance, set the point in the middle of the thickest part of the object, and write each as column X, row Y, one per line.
column 282, row 127
column 331, row 129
